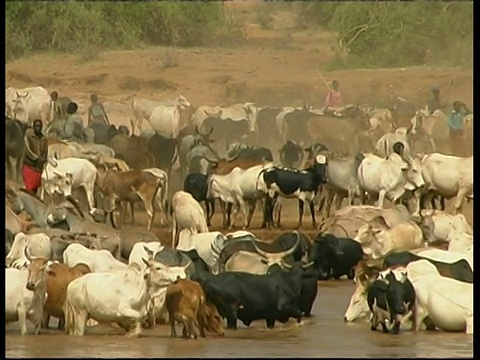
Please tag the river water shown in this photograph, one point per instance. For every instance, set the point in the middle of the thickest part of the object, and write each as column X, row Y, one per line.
column 323, row 335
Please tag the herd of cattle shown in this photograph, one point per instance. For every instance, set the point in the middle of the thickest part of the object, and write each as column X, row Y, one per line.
column 77, row 264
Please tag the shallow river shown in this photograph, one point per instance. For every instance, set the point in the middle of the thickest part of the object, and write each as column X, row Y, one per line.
column 323, row 335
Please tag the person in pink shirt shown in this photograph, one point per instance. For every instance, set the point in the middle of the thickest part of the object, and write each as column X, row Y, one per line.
column 334, row 100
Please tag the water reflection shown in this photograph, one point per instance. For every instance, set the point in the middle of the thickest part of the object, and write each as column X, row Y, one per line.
column 323, row 335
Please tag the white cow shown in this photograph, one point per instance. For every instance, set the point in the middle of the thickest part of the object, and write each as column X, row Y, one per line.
column 447, row 302
column 117, row 297
column 165, row 120
column 459, row 241
column 29, row 104
column 38, row 244
column 444, row 256
column 449, row 176
column 389, row 177
column 445, row 223
column 25, row 295
column 73, row 173
column 141, row 109
column 97, row 260
column 138, row 252
column 384, row 145
column 208, row 245
column 203, row 112
column 378, row 242
column 239, row 187
column 187, row 214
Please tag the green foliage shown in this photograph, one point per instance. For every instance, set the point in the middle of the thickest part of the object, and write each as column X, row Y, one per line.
column 73, row 26
column 384, row 34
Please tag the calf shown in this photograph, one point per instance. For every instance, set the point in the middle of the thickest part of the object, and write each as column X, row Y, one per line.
column 186, row 303
column 291, row 183
column 97, row 260
column 130, row 186
column 58, row 278
column 25, row 294
column 390, row 299
column 197, row 185
column 291, row 154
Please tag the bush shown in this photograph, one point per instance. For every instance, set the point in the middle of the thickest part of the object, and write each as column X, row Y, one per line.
column 384, row 34
column 75, row 26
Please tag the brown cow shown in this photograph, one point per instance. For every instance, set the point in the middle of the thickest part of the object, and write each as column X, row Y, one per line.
column 224, row 167
column 185, row 302
column 133, row 150
column 58, row 278
column 130, row 186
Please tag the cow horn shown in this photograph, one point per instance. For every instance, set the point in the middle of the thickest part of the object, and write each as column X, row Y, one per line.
column 145, row 262
column 292, row 249
column 149, row 252
column 188, row 265
column 211, row 130
column 210, row 160
column 232, row 158
column 307, row 265
column 26, row 251
column 260, row 251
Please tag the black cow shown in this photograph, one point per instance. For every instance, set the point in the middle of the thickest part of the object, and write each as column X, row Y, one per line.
column 196, row 185
column 171, row 257
column 250, row 297
column 8, row 241
column 163, row 149
column 297, row 122
column 291, row 154
column 387, row 298
column 459, row 270
column 14, row 145
column 308, row 285
column 105, row 132
column 293, row 183
column 335, row 256
column 201, row 268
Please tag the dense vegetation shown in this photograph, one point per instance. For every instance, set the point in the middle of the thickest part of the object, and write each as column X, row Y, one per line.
column 397, row 33
column 370, row 34
column 79, row 26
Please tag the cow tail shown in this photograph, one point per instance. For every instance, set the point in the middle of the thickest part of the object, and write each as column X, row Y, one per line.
column 164, row 194
column 69, row 319
column 132, row 116
column 357, row 161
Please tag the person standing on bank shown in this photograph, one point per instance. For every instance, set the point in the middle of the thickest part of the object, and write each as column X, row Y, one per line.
column 96, row 111
column 35, row 156
column 456, row 125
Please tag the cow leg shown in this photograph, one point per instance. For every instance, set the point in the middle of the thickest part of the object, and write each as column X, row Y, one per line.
column 81, row 317
column 374, row 322
column 207, row 210
column 132, row 220
column 300, row 214
column 469, row 321
column 173, row 330
column 462, row 192
column 420, row 314
column 174, row 233
column 442, row 203
column 270, row 323
column 265, row 221
column 46, row 320
column 22, row 319
column 89, row 191
column 223, row 208
column 236, row 210
column 311, row 205
column 251, row 210
column 61, row 323
column 384, row 327
column 150, row 213
column 381, row 198
column 243, row 209
column 212, row 209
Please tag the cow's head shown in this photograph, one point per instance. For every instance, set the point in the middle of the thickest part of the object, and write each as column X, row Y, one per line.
column 204, row 137
column 315, row 149
column 20, row 104
column 183, row 103
column 56, row 214
column 413, row 174
column 60, row 184
column 319, row 167
column 36, row 270
column 271, row 259
column 357, row 307
column 324, row 253
column 158, row 275
column 251, row 112
column 212, row 319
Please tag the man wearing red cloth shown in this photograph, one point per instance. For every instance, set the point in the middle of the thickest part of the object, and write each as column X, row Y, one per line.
column 35, row 156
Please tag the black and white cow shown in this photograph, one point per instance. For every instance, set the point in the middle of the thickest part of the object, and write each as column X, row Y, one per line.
column 390, row 299
column 196, row 184
column 293, row 183
column 291, row 154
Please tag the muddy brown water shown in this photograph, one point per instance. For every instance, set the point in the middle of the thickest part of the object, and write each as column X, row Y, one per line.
column 322, row 335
